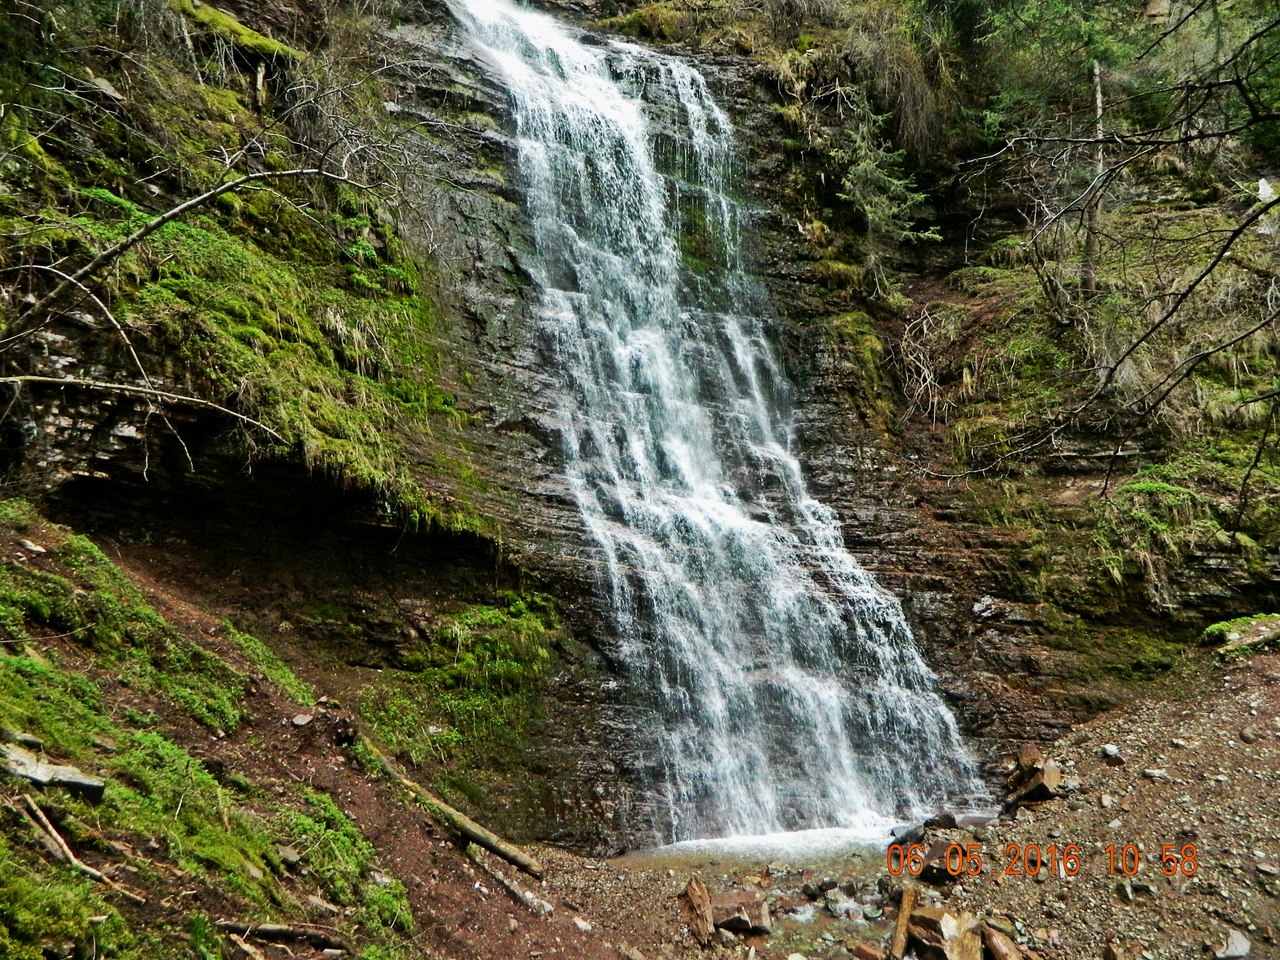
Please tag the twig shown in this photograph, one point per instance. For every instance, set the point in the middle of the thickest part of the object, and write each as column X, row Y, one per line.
column 142, row 391
column 280, row 931
column 67, row 856
column 247, row 948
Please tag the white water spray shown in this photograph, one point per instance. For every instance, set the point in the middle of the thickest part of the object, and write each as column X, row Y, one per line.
column 785, row 686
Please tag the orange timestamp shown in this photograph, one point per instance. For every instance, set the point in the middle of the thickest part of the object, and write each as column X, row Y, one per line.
column 1029, row 859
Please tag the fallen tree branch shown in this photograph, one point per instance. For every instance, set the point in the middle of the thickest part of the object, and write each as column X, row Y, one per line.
column 320, row 939
column 526, row 898
column 42, row 307
column 459, row 821
column 143, row 392
column 65, row 854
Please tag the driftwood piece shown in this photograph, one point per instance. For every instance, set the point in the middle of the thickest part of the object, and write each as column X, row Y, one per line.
column 898, row 949
column 316, row 937
column 702, row 925
column 460, row 822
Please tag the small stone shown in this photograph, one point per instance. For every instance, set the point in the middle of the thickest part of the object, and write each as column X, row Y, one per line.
column 1269, row 870
column 322, row 905
column 582, row 925
column 1124, row 889
column 512, row 925
column 874, row 912
column 1179, row 743
column 1114, row 824
column 302, row 719
column 1110, row 750
column 726, row 938
column 1155, row 773
column 288, row 855
column 1249, row 734
column 30, row 547
column 1106, row 802
column 1236, row 947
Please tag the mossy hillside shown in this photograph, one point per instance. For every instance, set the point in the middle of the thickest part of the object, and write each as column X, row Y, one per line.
column 298, row 305
column 77, row 593
column 469, row 692
column 222, row 831
column 159, row 797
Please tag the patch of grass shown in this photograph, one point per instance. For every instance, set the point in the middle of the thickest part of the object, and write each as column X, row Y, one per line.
column 340, row 856
column 43, row 907
column 272, row 667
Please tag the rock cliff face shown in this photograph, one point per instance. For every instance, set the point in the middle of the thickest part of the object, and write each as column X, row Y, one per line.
column 269, row 544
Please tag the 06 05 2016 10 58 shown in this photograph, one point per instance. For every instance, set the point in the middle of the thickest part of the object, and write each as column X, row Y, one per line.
column 1028, row 859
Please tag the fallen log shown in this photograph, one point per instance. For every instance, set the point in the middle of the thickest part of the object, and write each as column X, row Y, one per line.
column 530, row 901
column 460, row 822
column 320, row 939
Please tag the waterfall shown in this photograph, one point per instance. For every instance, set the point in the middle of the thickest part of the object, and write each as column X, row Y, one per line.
column 783, row 686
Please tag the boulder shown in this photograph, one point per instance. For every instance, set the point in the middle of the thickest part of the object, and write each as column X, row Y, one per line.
column 1236, row 947
column 941, row 934
column 740, row 912
column 1041, row 786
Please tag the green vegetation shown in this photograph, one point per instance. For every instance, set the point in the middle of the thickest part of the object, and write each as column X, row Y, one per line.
column 220, row 830
column 91, row 601
column 234, row 32
column 470, row 691
column 1245, row 634
column 297, row 304
column 273, row 668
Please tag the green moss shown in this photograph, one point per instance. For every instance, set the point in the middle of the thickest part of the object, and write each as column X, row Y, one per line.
column 42, row 906
column 234, row 32
column 272, row 667
column 92, row 601
column 1245, row 634
column 470, row 693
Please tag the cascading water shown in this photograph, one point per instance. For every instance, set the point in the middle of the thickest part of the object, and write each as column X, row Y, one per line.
column 785, row 686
